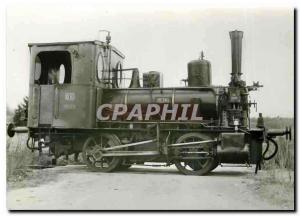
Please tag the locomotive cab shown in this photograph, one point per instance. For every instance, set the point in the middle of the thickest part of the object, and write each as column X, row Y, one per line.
column 65, row 81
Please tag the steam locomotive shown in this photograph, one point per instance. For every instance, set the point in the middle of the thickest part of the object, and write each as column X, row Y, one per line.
column 78, row 103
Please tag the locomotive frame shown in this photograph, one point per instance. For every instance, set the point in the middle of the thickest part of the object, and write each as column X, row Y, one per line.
column 62, row 113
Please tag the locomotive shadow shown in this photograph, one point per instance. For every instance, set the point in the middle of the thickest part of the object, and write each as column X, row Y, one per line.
column 176, row 172
column 137, row 170
column 228, row 173
column 150, row 170
column 132, row 170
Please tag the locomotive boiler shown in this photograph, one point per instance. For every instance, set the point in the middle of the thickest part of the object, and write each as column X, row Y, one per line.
column 78, row 103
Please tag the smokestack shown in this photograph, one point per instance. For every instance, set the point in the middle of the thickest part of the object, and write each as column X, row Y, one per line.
column 236, row 55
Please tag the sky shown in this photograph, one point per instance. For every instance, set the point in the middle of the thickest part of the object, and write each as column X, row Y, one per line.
column 165, row 39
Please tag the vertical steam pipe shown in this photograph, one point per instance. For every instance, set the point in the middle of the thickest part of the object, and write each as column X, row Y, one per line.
column 236, row 56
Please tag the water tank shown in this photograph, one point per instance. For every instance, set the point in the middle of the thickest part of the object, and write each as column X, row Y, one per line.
column 152, row 79
column 199, row 72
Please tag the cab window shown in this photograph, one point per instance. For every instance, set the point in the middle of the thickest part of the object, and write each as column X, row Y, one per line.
column 52, row 67
column 61, row 74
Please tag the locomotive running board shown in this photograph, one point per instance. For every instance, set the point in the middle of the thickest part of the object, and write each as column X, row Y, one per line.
column 193, row 143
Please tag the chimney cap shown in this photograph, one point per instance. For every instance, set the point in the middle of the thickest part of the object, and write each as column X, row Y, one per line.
column 236, row 34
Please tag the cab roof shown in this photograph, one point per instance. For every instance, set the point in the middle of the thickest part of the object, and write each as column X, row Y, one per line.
column 65, row 43
column 96, row 42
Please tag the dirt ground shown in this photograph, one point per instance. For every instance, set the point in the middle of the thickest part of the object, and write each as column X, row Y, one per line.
column 74, row 187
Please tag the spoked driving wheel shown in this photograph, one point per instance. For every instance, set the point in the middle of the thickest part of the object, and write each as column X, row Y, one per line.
column 195, row 160
column 92, row 153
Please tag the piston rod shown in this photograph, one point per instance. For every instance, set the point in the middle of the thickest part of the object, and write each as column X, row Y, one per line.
column 192, row 143
column 128, row 145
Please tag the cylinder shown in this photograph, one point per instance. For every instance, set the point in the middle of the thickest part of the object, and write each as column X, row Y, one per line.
column 236, row 54
column 199, row 73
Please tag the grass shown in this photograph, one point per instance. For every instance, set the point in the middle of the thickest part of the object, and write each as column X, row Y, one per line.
column 284, row 159
column 277, row 178
column 17, row 158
